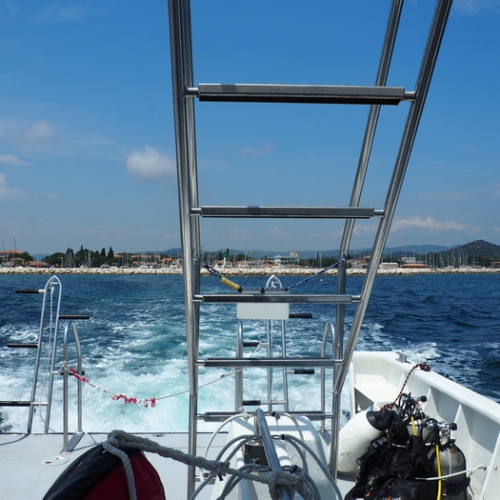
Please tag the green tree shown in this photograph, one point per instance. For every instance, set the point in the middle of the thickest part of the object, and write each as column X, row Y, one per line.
column 26, row 257
column 103, row 252
column 54, row 259
column 111, row 254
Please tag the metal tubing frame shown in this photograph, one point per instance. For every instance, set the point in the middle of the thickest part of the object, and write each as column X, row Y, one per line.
column 423, row 82
column 238, row 378
column 79, row 432
column 48, row 290
column 182, row 78
column 268, row 362
column 338, row 353
column 276, row 298
column 270, row 342
column 285, row 373
column 184, row 91
column 371, row 126
column 261, row 429
column 328, row 329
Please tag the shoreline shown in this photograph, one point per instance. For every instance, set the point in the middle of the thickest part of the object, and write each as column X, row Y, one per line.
column 278, row 271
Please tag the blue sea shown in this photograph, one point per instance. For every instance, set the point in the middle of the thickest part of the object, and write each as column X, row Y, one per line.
column 134, row 342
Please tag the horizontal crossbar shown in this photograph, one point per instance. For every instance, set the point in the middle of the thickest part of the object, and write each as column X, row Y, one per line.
column 268, row 362
column 315, row 94
column 276, row 298
column 287, row 212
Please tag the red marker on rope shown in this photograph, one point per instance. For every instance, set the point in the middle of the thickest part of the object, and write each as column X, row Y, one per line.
column 77, row 375
column 126, row 399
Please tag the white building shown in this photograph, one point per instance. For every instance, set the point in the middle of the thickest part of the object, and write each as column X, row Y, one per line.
column 292, row 259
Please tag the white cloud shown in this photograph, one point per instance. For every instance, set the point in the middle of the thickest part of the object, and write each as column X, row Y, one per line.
column 473, row 6
column 150, row 164
column 54, row 12
column 9, row 159
column 362, row 229
column 39, row 132
column 6, row 192
column 416, row 221
column 266, row 148
column 238, row 233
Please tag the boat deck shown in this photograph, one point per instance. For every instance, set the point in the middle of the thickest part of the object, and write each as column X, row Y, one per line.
column 40, row 455
column 31, row 463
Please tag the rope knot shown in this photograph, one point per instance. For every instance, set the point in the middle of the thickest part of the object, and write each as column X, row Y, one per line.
column 279, row 478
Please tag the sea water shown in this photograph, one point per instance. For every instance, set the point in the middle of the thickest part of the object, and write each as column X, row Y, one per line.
column 134, row 343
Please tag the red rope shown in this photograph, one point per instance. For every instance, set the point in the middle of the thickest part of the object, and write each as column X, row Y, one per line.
column 126, row 399
column 77, row 375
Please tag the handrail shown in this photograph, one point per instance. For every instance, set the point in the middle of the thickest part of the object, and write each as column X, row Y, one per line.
column 49, row 325
column 329, row 328
column 49, row 290
column 79, row 433
column 238, row 393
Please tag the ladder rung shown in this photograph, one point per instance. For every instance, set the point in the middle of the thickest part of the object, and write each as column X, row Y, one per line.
column 22, row 403
column 74, row 316
column 316, row 94
column 31, row 345
column 251, row 343
column 276, row 298
column 287, row 212
column 302, row 371
column 212, row 416
column 25, row 290
column 268, row 362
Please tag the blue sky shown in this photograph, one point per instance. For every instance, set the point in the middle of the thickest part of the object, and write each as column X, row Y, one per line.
column 87, row 152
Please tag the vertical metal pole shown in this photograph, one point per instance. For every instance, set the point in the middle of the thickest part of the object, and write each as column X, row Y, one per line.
column 54, row 326
column 328, row 328
column 364, row 157
column 53, row 281
column 79, row 432
column 283, row 355
column 261, row 429
column 338, row 353
column 238, row 383
column 269, row 331
column 182, row 77
column 65, row 389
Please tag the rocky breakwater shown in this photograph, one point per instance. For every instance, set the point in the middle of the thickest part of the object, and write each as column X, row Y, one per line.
column 267, row 271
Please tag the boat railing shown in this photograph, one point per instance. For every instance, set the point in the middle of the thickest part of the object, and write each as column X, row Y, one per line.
column 70, row 445
column 329, row 330
column 47, row 345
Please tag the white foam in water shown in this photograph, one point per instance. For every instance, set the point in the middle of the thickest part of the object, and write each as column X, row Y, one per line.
column 143, row 355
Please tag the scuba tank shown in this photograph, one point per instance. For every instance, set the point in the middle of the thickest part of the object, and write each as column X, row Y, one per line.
column 451, row 461
column 355, row 438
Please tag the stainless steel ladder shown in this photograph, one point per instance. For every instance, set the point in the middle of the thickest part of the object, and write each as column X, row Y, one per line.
column 48, row 331
column 185, row 91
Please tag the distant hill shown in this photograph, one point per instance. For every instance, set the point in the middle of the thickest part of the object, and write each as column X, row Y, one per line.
column 40, row 256
column 478, row 248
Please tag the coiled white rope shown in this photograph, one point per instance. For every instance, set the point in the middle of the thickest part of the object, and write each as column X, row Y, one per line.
column 129, row 473
column 122, row 441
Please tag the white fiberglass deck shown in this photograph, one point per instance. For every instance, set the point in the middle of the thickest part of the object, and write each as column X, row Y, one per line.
column 29, row 464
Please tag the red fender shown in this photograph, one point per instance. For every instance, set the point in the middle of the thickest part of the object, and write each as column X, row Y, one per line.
column 147, row 482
